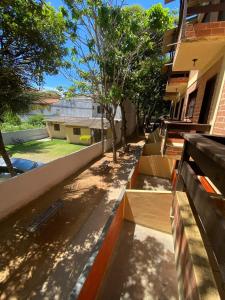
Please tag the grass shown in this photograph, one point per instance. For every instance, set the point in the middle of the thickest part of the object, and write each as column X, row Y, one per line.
column 43, row 150
column 6, row 127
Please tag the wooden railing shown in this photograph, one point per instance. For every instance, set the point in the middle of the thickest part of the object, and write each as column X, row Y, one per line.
column 171, row 129
column 205, row 156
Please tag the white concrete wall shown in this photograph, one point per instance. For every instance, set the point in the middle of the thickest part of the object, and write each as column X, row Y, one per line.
column 13, row 137
column 18, row 191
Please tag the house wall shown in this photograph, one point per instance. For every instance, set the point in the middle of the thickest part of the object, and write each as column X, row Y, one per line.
column 61, row 134
column 218, row 118
column 219, row 125
column 71, row 138
column 200, row 84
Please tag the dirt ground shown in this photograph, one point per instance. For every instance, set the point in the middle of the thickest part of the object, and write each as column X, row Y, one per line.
column 46, row 264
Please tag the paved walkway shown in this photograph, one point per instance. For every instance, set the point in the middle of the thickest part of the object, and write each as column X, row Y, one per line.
column 46, row 265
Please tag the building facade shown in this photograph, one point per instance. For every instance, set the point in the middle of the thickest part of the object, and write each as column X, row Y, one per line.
column 196, row 71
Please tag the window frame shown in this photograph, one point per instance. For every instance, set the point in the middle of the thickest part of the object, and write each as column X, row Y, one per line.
column 78, row 129
column 192, row 97
column 56, row 127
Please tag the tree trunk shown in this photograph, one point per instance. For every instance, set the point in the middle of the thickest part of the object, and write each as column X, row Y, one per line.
column 138, row 120
column 113, row 140
column 102, row 130
column 123, row 126
column 5, row 156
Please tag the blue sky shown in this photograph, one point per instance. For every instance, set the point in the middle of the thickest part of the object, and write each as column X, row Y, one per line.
column 52, row 82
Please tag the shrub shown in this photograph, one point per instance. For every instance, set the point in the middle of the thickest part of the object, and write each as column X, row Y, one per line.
column 12, row 119
column 85, row 138
column 36, row 120
column 9, row 127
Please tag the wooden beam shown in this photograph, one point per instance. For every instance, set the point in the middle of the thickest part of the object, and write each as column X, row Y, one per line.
column 213, row 222
column 171, row 125
column 209, row 156
column 205, row 9
column 149, row 208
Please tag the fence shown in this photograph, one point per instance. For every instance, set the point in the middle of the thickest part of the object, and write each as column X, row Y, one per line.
column 14, row 137
column 18, row 191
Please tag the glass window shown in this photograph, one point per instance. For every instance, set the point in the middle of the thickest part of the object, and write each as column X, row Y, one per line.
column 191, row 104
column 221, row 16
column 56, row 127
column 176, row 110
column 99, row 109
column 76, row 131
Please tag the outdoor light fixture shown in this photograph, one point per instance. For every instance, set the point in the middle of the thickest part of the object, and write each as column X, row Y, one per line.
column 194, row 61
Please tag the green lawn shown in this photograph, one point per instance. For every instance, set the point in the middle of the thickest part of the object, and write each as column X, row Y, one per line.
column 43, row 150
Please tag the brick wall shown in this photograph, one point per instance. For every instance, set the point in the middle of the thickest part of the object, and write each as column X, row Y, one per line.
column 177, row 80
column 198, row 30
column 200, row 85
column 219, row 126
column 173, row 151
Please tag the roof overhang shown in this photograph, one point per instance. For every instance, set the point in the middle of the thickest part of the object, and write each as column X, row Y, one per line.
column 198, row 48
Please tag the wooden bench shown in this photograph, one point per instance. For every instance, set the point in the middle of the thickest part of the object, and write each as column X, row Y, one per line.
column 45, row 216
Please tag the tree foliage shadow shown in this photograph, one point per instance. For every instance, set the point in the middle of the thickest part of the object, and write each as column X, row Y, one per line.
column 139, row 269
column 47, row 263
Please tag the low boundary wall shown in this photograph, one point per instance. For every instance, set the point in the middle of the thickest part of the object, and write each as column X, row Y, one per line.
column 18, row 191
column 21, row 136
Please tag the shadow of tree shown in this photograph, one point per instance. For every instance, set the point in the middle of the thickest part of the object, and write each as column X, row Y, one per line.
column 147, row 182
column 28, row 261
column 117, row 173
column 141, row 268
column 46, row 264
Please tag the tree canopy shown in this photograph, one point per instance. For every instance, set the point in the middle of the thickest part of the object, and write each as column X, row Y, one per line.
column 31, row 44
column 115, row 50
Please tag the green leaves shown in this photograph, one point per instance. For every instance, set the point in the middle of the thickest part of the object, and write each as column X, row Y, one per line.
column 32, row 43
column 117, row 52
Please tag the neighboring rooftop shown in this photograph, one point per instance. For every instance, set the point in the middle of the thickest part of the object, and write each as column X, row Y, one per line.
column 46, row 97
column 94, row 123
column 47, row 101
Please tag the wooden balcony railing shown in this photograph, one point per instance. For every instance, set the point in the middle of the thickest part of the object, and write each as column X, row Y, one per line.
column 172, row 129
column 189, row 25
column 207, row 155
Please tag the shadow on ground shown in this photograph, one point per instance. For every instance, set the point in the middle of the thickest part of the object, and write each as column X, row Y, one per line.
column 45, row 265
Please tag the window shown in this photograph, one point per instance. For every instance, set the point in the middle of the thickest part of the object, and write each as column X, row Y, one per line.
column 76, row 131
column 181, row 109
column 56, row 127
column 191, row 104
column 221, row 16
column 176, row 110
column 98, row 109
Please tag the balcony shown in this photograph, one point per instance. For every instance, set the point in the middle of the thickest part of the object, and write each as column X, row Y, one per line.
column 135, row 250
column 201, row 37
column 172, row 139
column 177, row 82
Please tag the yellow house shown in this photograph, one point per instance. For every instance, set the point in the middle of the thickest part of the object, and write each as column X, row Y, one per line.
column 56, row 128
column 85, row 131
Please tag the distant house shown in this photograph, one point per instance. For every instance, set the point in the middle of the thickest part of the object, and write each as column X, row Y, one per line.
column 76, row 107
column 85, row 131
column 46, row 102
